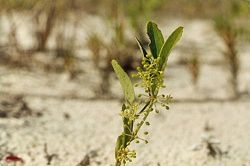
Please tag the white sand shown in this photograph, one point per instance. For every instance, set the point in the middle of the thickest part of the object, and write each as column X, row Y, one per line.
column 94, row 124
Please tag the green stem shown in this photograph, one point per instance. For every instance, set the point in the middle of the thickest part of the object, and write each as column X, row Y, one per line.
column 144, row 118
column 144, row 107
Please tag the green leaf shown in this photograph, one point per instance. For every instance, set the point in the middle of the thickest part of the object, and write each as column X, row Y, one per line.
column 125, row 81
column 127, row 128
column 168, row 46
column 119, row 144
column 143, row 50
column 156, row 38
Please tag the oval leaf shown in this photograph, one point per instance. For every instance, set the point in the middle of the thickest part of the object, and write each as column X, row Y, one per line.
column 156, row 38
column 125, row 81
column 119, row 144
column 143, row 50
column 168, row 46
column 127, row 129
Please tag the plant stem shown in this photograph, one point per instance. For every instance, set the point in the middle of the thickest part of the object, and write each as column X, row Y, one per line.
column 149, row 105
column 144, row 107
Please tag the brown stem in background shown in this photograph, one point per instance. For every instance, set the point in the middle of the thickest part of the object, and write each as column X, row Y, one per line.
column 232, row 59
column 43, row 35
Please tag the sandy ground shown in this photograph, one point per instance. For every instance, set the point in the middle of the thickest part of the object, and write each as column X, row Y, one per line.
column 73, row 125
column 91, row 127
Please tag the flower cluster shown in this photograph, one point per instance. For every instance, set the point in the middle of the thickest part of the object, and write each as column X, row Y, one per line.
column 149, row 73
column 124, row 155
column 164, row 100
column 130, row 112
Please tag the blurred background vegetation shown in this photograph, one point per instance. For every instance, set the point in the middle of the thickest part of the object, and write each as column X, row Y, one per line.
column 67, row 34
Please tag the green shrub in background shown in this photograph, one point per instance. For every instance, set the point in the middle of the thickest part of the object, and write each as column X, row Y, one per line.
column 228, row 25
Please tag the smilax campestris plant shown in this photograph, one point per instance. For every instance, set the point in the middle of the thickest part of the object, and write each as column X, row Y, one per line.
column 151, row 74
